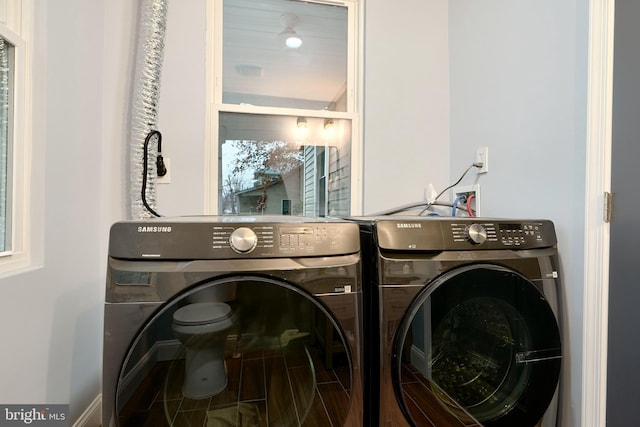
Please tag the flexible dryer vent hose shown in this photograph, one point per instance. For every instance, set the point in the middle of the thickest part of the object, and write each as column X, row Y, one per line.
column 144, row 108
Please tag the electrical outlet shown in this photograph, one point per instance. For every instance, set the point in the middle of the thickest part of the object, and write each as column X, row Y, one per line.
column 167, row 178
column 467, row 191
column 482, row 156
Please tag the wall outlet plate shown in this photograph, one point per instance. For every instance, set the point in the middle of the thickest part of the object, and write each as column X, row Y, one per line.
column 482, row 156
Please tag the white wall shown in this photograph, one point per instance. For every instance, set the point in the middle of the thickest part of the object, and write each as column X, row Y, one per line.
column 182, row 109
column 52, row 314
column 406, row 96
column 518, row 86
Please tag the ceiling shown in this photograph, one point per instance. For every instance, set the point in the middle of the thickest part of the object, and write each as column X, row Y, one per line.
column 257, row 67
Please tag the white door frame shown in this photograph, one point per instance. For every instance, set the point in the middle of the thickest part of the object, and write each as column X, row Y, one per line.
column 597, row 231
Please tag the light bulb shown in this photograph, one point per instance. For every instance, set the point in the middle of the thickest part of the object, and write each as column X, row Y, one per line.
column 293, row 41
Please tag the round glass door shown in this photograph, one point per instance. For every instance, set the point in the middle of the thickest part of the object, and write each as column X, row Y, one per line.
column 246, row 352
column 481, row 342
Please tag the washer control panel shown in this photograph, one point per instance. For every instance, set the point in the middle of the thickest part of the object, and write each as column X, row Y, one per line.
column 444, row 233
column 476, row 233
column 521, row 234
column 243, row 240
column 228, row 239
column 495, row 234
column 271, row 239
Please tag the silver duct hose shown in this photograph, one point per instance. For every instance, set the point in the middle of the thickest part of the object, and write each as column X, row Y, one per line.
column 152, row 26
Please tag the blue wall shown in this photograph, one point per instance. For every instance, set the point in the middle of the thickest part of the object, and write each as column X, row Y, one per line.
column 518, row 86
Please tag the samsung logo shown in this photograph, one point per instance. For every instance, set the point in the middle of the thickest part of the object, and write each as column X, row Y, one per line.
column 408, row 225
column 154, row 229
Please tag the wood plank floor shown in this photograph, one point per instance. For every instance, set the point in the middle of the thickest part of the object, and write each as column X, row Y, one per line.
column 429, row 405
column 286, row 387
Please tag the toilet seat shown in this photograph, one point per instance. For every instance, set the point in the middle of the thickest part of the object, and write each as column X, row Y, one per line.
column 202, row 313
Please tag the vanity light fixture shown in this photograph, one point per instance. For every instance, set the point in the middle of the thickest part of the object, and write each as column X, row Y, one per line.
column 302, row 127
column 329, row 125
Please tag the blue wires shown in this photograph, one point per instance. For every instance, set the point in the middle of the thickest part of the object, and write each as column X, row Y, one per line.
column 455, row 204
column 428, row 205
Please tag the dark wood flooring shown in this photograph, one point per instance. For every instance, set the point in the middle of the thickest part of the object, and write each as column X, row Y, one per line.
column 429, row 405
column 286, row 387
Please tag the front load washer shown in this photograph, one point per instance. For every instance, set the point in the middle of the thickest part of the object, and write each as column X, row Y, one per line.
column 233, row 321
column 462, row 321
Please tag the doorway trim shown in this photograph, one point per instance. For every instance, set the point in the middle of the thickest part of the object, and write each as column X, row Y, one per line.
column 597, row 230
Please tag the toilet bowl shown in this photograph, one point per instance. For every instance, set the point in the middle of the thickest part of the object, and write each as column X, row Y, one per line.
column 202, row 328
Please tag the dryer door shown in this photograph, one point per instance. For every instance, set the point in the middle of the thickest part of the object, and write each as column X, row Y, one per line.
column 480, row 341
column 266, row 354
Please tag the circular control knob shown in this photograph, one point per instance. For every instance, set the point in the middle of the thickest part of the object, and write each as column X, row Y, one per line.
column 476, row 233
column 243, row 240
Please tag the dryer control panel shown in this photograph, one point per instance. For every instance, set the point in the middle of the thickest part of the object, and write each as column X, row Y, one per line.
column 203, row 238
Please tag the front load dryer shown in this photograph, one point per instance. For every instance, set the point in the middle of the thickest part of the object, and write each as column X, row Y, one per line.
column 233, row 321
column 462, row 322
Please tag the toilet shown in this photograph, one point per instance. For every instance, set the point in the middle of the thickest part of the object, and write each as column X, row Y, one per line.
column 202, row 327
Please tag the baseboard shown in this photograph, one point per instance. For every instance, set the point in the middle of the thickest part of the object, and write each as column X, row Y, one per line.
column 418, row 360
column 92, row 416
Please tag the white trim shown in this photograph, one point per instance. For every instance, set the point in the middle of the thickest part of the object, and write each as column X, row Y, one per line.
column 209, row 185
column 357, row 143
column 92, row 416
column 598, row 180
column 213, row 68
column 419, row 360
column 280, row 111
column 18, row 32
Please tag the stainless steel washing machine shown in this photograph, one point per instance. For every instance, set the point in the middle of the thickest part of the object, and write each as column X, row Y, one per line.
column 462, row 326
column 288, row 350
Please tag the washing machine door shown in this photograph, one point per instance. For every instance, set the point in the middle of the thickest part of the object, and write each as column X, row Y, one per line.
column 277, row 356
column 483, row 343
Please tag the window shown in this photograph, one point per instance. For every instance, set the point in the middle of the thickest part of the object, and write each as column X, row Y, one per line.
column 14, row 138
column 284, row 122
column 307, row 165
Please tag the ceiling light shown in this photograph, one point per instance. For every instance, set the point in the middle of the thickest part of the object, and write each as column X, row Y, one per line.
column 291, row 39
column 302, row 123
